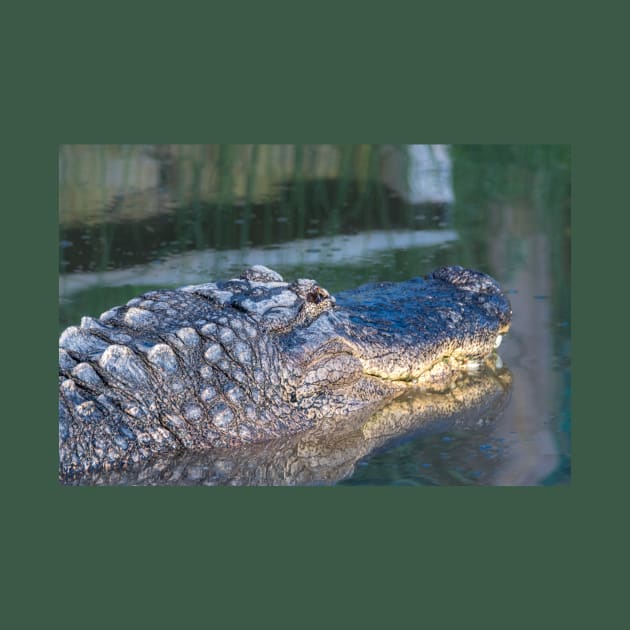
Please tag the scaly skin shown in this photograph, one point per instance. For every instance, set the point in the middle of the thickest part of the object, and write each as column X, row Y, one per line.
column 222, row 365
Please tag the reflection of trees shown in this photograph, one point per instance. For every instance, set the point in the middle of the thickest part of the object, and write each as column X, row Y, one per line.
column 91, row 176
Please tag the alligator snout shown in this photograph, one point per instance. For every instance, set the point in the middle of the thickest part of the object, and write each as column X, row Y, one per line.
column 483, row 285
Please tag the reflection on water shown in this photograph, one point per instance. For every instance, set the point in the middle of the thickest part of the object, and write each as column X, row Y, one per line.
column 187, row 268
column 465, row 418
column 139, row 217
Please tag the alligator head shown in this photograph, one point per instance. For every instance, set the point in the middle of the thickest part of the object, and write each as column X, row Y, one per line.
column 382, row 338
column 247, row 360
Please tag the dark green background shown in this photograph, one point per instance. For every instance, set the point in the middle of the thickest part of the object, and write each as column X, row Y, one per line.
column 321, row 557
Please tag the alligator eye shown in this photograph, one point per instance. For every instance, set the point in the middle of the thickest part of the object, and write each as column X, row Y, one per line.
column 317, row 295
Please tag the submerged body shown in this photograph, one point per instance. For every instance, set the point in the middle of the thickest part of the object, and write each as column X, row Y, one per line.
column 469, row 413
column 225, row 364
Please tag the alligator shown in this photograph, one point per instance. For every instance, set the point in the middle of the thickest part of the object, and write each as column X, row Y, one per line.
column 229, row 364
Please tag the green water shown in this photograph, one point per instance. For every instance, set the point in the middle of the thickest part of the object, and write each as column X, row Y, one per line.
column 134, row 218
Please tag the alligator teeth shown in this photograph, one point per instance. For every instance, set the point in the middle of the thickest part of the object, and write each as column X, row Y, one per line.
column 498, row 341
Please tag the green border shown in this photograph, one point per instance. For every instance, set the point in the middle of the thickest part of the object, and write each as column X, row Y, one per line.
column 298, row 557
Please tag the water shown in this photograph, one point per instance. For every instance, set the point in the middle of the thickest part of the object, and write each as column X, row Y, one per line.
column 134, row 218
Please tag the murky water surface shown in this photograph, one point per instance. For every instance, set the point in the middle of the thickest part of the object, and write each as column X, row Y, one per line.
column 135, row 218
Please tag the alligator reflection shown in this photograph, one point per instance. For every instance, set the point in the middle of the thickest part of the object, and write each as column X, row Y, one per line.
column 330, row 452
